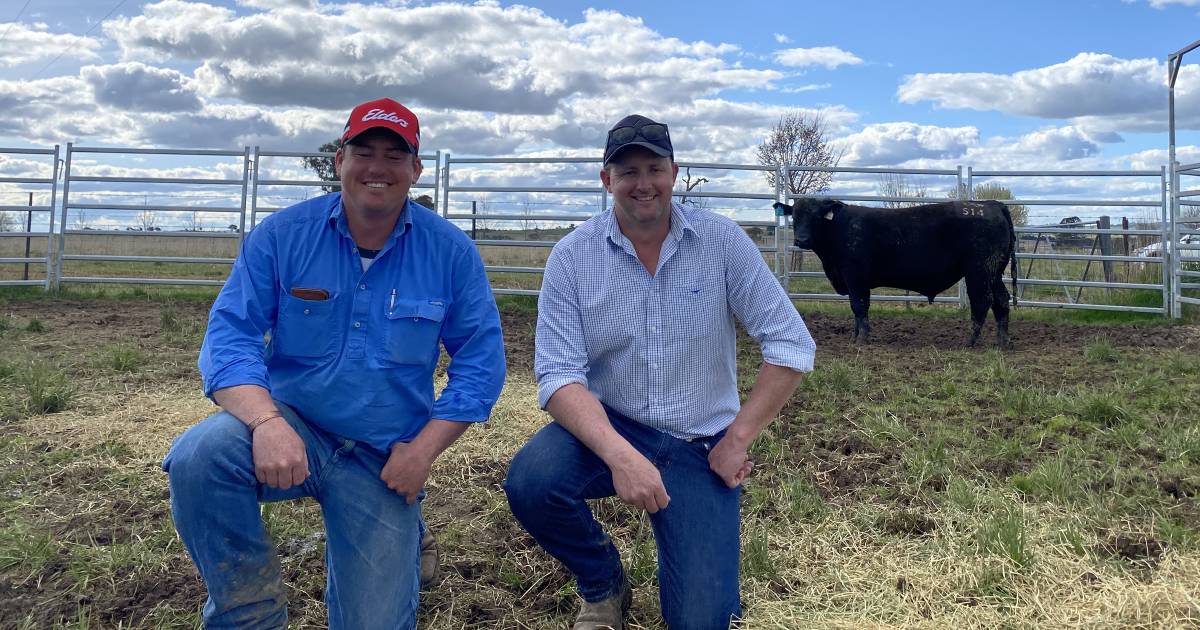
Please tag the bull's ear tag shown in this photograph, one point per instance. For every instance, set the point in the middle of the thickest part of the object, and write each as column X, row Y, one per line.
column 829, row 216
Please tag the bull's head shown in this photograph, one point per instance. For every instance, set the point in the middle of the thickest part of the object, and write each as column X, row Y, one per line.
column 807, row 215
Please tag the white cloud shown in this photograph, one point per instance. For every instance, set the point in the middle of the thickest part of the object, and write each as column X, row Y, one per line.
column 279, row 4
column 889, row 144
column 476, row 57
column 26, row 43
column 1162, row 4
column 828, row 56
column 782, row 39
column 812, row 87
column 1090, row 87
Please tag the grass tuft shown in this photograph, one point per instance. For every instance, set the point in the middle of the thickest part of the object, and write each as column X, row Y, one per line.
column 35, row 325
column 1103, row 409
column 1101, row 351
column 47, row 389
column 1003, row 534
column 123, row 358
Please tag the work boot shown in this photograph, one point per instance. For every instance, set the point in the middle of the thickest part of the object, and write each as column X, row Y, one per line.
column 606, row 614
column 429, row 559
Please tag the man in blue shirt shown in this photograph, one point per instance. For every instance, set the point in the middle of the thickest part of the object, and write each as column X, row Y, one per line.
column 354, row 291
column 635, row 361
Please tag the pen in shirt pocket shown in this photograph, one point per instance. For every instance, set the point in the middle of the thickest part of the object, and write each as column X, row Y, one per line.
column 392, row 303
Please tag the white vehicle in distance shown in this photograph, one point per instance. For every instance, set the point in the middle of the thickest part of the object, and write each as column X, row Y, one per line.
column 1190, row 243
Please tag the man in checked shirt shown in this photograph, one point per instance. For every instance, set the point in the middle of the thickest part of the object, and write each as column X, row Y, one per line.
column 636, row 362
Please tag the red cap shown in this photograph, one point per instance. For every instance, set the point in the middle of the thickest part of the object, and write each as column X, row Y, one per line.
column 387, row 114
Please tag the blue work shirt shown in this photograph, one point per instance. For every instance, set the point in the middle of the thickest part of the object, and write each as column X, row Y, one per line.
column 662, row 349
column 354, row 351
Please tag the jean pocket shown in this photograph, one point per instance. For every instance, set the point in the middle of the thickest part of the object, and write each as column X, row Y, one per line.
column 413, row 329
column 305, row 328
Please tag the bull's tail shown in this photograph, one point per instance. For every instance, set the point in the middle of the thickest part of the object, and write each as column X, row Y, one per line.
column 1012, row 250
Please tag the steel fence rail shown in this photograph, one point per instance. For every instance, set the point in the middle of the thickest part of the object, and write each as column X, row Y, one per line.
column 26, row 232
column 456, row 182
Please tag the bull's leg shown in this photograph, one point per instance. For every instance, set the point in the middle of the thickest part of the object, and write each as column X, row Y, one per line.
column 1000, row 310
column 860, row 303
column 979, row 292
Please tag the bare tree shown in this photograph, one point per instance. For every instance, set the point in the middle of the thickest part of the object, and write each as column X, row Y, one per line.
column 323, row 166
column 147, row 220
column 800, row 139
column 194, row 222
column 898, row 185
column 999, row 192
column 82, row 222
column 690, row 183
column 7, row 222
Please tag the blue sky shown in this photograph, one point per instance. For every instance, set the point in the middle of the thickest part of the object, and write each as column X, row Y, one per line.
column 933, row 84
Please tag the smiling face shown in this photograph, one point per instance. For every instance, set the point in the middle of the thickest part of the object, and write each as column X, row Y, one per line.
column 376, row 171
column 641, row 183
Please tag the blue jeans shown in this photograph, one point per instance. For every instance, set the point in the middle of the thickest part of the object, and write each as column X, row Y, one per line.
column 697, row 534
column 372, row 542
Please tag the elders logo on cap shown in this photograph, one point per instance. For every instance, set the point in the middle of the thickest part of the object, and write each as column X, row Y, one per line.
column 387, row 114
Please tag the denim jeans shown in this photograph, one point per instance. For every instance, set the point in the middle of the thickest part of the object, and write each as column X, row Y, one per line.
column 697, row 534
column 372, row 541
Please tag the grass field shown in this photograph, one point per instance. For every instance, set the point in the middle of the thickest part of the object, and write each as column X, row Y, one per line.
column 909, row 483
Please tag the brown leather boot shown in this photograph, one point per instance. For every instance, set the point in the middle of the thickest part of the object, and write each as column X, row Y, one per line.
column 606, row 614
column 429, row 559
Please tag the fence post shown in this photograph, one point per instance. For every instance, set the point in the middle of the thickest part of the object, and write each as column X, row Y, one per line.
column 1106, row 248
column 969, row 193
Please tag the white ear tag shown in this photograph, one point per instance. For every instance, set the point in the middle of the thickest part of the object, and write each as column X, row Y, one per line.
column 829, row 216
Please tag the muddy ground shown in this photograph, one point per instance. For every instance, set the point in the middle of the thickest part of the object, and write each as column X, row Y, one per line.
column 848, row 464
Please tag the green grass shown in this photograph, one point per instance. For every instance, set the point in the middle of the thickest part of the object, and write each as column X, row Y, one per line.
column 47, row 389
column 124, row 358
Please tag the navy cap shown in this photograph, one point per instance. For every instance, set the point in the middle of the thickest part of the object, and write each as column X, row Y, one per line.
column 636, row 130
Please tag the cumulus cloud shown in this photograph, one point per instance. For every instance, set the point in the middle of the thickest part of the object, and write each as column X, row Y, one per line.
column 26, row 43
column 1162, row 4
column 782, row 39
column 137, row 87
column 890, row 144
column 480, row 57
column 278, row 4
column 1087, row 85
column 828, row 56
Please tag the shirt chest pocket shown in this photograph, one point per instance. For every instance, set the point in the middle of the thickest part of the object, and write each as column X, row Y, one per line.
column 412, row 330
column 305, row 328
column 695, row 310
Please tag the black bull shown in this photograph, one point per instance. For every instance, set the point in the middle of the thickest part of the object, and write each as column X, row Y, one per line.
column 925, row 249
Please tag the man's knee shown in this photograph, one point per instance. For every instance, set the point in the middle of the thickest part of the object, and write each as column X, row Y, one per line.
column 215, row 447
column 533, row 481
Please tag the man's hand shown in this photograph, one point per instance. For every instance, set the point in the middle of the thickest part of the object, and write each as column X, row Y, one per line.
column 406, row 470
column 730, row 461
column 639, row 484
column 280, row 460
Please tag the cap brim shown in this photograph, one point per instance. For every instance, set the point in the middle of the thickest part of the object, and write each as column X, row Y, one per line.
column 407, row 144
column 659, row 151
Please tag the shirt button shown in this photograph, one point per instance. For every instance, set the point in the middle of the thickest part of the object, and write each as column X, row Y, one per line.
column 362, row 287
column 358, row 324
column 306, row 311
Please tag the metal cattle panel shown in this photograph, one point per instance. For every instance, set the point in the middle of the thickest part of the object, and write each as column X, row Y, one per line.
column 16, row 244
column 148, row 214
column 1182, row 245
column 1099, row 257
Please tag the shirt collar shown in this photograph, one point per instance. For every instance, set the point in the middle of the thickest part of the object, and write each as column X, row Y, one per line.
column 680, row 226
column 337, row 217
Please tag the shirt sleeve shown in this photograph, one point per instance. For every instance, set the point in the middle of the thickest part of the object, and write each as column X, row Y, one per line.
column 560, row 353
column 763, row 307
column 473, row 339
column 234, row 344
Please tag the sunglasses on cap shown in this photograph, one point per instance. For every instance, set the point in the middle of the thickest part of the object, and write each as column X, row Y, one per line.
column 653, row 132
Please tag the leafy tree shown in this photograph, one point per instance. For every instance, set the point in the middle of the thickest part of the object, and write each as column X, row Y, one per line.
column 800, row 139
column 323, row 166
column 1020, row 213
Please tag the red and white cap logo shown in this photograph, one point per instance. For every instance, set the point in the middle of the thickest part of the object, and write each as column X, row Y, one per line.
column 387, row 114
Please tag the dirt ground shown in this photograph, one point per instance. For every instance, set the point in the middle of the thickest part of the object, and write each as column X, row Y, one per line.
column 848, row 464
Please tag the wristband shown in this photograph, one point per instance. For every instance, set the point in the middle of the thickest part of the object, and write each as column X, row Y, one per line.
column 255, row 423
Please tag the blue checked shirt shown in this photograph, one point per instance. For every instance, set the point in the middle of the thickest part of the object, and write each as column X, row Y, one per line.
column 360, row 362
column 662, row 349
